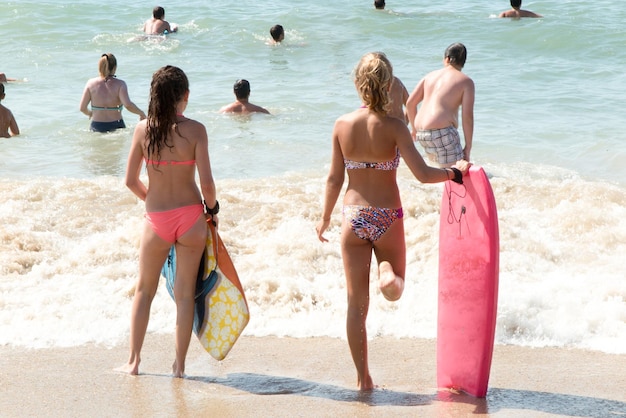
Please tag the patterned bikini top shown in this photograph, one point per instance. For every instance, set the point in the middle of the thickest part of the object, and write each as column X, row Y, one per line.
column 385, row 165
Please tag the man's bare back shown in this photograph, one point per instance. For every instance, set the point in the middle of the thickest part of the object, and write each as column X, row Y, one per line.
column 7, row 122
column 516, row 14
column 241, row 104
column 516, row 11
column 441, row 93
column 243, row 107
column 158, row 25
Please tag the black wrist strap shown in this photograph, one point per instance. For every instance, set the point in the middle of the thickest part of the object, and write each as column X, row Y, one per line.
column 458, row 176
column 214, row 210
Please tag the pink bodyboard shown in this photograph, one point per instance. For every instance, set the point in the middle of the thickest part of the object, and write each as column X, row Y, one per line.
column 469, row 250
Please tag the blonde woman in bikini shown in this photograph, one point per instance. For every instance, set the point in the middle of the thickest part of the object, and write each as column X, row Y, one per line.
column 108, row 95
column 367, row 144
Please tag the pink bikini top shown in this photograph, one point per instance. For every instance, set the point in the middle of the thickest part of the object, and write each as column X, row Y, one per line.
column 155, row 162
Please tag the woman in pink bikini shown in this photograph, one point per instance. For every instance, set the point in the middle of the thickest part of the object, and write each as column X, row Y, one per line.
column 368, row 143
column 172, row 147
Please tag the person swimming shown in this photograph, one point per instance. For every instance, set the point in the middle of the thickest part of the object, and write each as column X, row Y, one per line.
column 277, row 32
column 158, row 25
column 516, row 11
column 8, row 125
column 242, row 105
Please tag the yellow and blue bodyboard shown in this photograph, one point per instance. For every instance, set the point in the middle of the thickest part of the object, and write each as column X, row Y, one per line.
column 221, row 310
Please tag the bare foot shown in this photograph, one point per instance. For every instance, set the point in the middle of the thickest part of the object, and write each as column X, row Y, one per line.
column 366, row 385
column 178, row 372
column 390, row 285
column 128, row 368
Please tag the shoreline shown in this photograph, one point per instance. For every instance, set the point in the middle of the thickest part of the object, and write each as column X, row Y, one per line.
column 310, row 377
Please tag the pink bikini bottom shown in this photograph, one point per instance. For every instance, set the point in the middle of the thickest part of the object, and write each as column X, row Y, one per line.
column 172, row 224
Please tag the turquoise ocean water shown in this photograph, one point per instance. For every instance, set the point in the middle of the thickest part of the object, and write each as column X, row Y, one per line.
column 548, row 130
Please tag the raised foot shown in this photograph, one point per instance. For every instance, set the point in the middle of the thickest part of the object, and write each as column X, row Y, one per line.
column 390, row 284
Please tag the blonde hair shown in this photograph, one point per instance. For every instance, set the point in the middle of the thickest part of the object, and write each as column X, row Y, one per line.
column 107, row 65
column 373, row 76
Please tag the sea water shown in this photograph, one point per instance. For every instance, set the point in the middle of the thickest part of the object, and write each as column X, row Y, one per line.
column 548, row 130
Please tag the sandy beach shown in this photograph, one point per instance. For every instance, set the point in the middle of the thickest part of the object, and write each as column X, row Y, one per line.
column 312, row 377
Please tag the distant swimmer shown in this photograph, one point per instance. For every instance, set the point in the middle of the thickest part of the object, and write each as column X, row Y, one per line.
column 278, row 33
column 441, row 93
column 516, row 12
column 158, row 25
column 242, row 105
column 5, row 79
column 7, row 121
column 108, row 95
column 379, row 4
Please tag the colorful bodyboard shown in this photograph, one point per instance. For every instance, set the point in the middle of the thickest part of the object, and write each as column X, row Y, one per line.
column 468, row 284
column 221, row 310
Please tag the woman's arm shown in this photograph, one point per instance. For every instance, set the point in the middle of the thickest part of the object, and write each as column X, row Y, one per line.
column 135, row 161
column 203, row 164
column 416, row 96
column 128, row 104
column 334, row 183
column 84, row 101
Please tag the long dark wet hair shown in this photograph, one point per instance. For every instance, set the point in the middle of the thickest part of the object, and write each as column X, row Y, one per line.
column 168, row 87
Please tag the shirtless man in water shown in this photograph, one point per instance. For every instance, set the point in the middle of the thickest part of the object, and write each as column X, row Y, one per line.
column 242, row 105
column 7, row 121
column 158, row 25
column 441, row 93
column 516, row 12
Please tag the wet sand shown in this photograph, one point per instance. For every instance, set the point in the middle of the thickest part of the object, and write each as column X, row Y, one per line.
column 312, row 377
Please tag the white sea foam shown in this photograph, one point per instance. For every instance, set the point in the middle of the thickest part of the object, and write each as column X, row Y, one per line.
column 69, row 261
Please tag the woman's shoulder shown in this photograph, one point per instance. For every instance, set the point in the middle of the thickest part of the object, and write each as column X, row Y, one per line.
column 351, row 117
column 192, row 128
column 395, row 124
column 93, row 81
column 117, row 82
column 193, row 123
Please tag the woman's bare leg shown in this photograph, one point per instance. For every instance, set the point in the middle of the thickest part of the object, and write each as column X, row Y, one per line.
column 152, row 254
column 390, row 252
column 357, row 257
column 189, row 250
